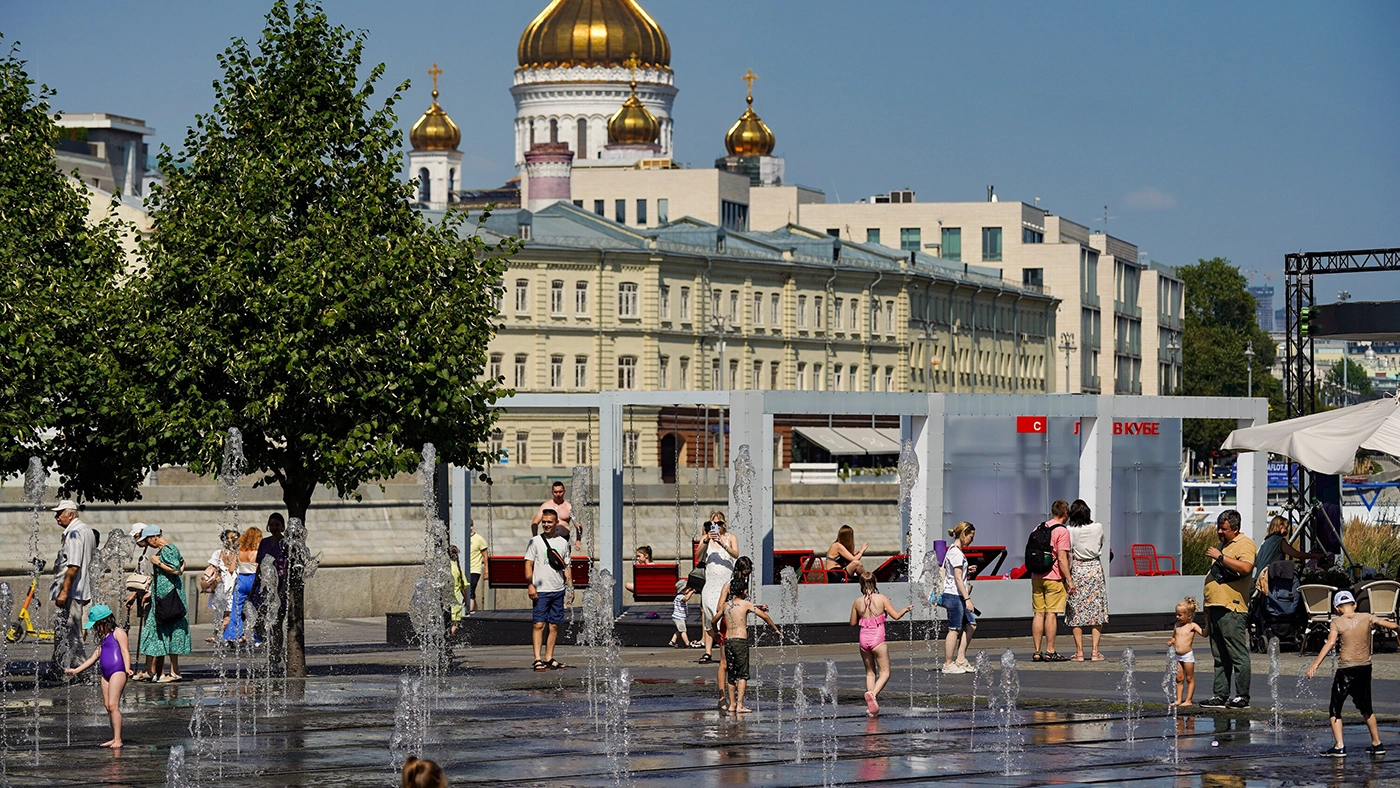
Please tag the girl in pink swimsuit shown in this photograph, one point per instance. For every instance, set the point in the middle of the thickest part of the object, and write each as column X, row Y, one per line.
column 869, row 613
column 115, row 656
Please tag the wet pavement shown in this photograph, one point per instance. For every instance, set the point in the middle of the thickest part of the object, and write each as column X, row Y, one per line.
column 493, row 721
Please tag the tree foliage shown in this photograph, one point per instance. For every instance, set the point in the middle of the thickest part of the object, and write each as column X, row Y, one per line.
column 1219, row 325
column 293, row 293
column 1356, row 381
column 59, row 277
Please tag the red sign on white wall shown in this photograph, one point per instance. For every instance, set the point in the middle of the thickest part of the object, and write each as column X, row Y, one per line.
column 1030, row 424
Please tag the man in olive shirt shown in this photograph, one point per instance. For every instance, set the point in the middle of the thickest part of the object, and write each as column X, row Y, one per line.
column 1227, row 606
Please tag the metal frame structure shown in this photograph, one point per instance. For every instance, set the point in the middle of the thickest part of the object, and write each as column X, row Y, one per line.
column 922, row 420
column 1299, row 370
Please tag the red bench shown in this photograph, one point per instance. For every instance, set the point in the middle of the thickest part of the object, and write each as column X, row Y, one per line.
column 508, row 571
column 654, row 582
column 980, row 557
column 792, row 558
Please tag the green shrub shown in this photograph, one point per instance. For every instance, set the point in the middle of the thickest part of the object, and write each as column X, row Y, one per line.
column 1194, row 542
column 1373, row 545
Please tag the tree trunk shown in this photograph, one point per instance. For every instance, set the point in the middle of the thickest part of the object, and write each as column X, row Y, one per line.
column 297, row 498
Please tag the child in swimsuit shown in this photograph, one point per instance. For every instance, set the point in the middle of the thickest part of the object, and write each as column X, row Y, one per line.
column 869, row 613
column 1183, row 633
column 114, row 658
column 736, row 641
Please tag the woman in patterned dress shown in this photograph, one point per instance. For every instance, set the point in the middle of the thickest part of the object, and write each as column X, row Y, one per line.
column 165, row 638
column 1088, row 602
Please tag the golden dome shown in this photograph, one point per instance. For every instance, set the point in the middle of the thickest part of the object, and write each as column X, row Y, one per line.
column 435, row 131
column 749, row 136
column 593, row 33
column 633, row 123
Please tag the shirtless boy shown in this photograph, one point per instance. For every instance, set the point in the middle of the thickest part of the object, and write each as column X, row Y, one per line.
column 736, row 641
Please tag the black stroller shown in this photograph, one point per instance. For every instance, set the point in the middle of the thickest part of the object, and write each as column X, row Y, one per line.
column 1280, row 613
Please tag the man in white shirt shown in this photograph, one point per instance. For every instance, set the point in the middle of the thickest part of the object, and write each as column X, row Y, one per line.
column 71, row 591
column 548, row 586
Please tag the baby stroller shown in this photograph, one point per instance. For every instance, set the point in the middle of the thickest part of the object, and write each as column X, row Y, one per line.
column 1280, row 613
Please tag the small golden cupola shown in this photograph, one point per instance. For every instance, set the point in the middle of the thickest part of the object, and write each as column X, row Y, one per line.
column 435, row 131
column 749, row 136
column 633, row 123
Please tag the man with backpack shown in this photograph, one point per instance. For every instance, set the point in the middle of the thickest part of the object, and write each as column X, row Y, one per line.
column 1047, row 558
column 548, row 581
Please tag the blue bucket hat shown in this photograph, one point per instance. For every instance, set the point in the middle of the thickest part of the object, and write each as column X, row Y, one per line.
column 95, row 614
column 148, row 531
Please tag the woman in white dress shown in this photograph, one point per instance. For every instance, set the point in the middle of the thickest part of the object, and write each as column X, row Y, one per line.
column 721, row 549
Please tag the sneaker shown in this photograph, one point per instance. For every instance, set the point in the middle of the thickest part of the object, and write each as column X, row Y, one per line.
column 1215, row 702
column 1238, row 702
column 1334, row 752
column 966, row 666
column 953, row 668
column 1376, row 749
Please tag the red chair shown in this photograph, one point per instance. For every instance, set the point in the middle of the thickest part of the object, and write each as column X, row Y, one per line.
column 793, row 558
column 508, row 571
column 1146, row 562
column 813, row 569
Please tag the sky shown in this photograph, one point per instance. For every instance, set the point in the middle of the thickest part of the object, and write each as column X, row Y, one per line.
column 1199, row 129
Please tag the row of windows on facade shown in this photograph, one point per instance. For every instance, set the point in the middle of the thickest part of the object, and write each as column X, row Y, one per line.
column 733, row 215
column 631, row 447
column 846, row 311
column 950, row 240
column 764, row 375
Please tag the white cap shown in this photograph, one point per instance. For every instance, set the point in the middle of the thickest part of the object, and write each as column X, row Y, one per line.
column 136, row 530
column 65, row 505
column 1343, row 598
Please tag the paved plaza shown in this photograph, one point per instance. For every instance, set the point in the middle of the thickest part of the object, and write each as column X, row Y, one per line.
column 494, row 721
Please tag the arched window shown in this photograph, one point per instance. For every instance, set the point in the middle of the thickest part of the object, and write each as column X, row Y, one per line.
column 582, row 138
column 425, row 186
column 553, row 130
column 451, row 182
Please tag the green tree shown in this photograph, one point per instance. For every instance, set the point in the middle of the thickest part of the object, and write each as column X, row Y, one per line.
column 59, row 275
column 293, row 293
column 1219, row 326
column 1357, row 381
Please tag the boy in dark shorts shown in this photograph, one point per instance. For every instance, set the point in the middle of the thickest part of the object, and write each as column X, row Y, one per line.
column 736, row 642
column 1353, row 679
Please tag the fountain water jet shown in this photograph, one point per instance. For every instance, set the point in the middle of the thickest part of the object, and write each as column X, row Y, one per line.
column 979, row 671
column 410, row 723
column 35, row 483
column 616, row 728
column 829, row 715
column 1010, row 691
column 1169, row 690
column 7, row 606
column 1128, row 686
column 788, row 632
column 799, row 708
column 175, row 769
column 1277, row 705
column 601, row 643
column 908, row 469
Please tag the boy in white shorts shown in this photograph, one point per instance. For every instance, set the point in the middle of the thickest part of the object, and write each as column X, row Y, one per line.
column 683, row 593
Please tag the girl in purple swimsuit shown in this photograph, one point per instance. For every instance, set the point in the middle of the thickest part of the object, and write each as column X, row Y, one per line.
column 115, row 660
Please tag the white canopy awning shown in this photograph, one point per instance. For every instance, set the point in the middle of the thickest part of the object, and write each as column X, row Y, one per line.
column 852, row 441
column 1327, row 442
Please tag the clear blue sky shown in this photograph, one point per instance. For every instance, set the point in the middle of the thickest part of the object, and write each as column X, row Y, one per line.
column 1244, row 130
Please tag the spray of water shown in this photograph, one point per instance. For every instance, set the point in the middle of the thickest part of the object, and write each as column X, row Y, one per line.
column 1132, row 701
column 7, row 607
column 799, row 709
column 175, row 769
column 409, row 723
column 1169, row 677
column 201, row 731
column 741, row 519
column 829, row 714
column 908, row 469
column 979, row 672
column 580, row 487
column 1277, row 704
column 788, row 634
column 617, row 734
column 1010, row 692
column 35, row 483
column 600, row 643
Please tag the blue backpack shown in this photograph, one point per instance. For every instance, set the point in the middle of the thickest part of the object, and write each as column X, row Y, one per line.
column 1283, row 598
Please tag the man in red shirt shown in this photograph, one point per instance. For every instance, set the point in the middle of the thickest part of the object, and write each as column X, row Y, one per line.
column 1050, row 591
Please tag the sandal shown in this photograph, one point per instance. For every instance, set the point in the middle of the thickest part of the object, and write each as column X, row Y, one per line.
column 168, row 678
column 1037, row 657
column 696, row 644
column 1097, row 657
column 706, row 659
column 540, row 666
column 1055, row 656
column 555, row 664
column 1077, row 657
column 142, row 676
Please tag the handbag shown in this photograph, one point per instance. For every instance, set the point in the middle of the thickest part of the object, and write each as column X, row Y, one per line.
column 170, row 608
column 696, row 578
column 209, row 580
column 138, row 582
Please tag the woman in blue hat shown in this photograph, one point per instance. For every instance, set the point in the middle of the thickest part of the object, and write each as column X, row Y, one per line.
column 115, row 659
column 166, row 632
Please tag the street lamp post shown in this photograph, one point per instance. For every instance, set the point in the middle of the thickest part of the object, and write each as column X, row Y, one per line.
column 1173, row 346
column 1249, row 359
column 1344, row 297
column 1067, row 345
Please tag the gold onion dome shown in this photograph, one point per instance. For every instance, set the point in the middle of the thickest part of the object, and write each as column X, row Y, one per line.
column 749, row 136
column 435, row 131
column 571, row 33
column 633, row 123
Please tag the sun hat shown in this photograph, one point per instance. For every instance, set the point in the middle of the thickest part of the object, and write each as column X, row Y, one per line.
column 147, row 531
column 1343, row 598
column 680, row 586
column 95, row 614
column 65, row 505
column 136, row 529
